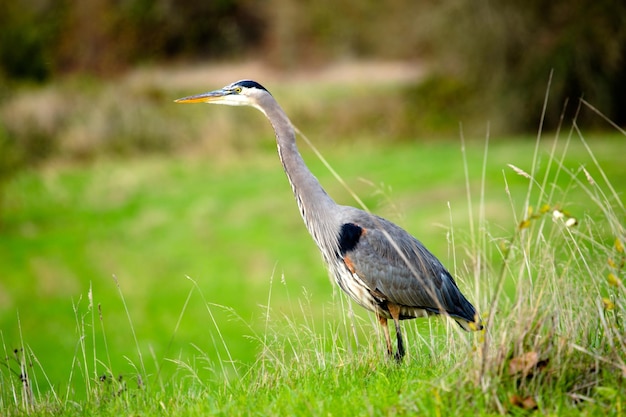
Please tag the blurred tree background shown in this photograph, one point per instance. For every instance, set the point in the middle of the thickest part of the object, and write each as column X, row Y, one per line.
column 486, row 61
column 500, row 50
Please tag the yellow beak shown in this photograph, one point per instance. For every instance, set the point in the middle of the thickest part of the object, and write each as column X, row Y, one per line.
column 209, row 97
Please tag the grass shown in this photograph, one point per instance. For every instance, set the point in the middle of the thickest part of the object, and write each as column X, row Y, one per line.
column 175, row 285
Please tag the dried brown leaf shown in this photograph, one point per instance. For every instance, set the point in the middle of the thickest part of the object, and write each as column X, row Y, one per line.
column 523, row 363
column 527, row 403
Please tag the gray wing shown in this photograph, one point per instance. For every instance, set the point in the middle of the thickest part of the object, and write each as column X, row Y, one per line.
column 399, row 268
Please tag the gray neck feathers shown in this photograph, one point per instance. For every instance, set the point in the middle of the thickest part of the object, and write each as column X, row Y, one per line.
column 316, row 207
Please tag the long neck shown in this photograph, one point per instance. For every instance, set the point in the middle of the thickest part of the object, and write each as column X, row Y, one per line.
column 317, row 208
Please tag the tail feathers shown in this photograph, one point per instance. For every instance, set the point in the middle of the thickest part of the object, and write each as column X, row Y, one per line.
column 470, row 326
column 457, row 306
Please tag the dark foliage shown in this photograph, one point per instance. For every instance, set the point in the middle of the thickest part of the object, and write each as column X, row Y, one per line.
column 507, row 50
column 504, row 52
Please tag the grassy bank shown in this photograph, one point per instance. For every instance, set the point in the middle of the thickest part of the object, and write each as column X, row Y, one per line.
column 153, row 260
column 187, row 284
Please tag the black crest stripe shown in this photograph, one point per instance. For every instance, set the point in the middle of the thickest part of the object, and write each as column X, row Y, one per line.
column 250, row 84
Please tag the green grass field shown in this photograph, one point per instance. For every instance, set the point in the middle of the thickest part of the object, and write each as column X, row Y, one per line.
column 187, row 284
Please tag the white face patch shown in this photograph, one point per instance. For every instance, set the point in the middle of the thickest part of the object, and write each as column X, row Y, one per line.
column 233, row 100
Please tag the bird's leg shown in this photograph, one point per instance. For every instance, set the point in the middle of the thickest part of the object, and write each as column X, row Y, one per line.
column 400, row 352
column 383, row 322
column 394, row 310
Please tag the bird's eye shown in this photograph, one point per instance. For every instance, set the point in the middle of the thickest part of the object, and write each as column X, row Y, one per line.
column 237, row 90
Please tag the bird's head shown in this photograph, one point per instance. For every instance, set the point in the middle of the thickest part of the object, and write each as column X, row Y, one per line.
column 240, row 93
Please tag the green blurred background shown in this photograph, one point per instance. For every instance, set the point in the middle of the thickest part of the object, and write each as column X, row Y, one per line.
column 102, row 176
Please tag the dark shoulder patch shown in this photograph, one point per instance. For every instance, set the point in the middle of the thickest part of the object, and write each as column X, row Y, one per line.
column 349, row 236
column 250, row 84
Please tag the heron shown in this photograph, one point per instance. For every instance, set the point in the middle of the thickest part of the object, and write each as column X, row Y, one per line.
column 378, row 264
